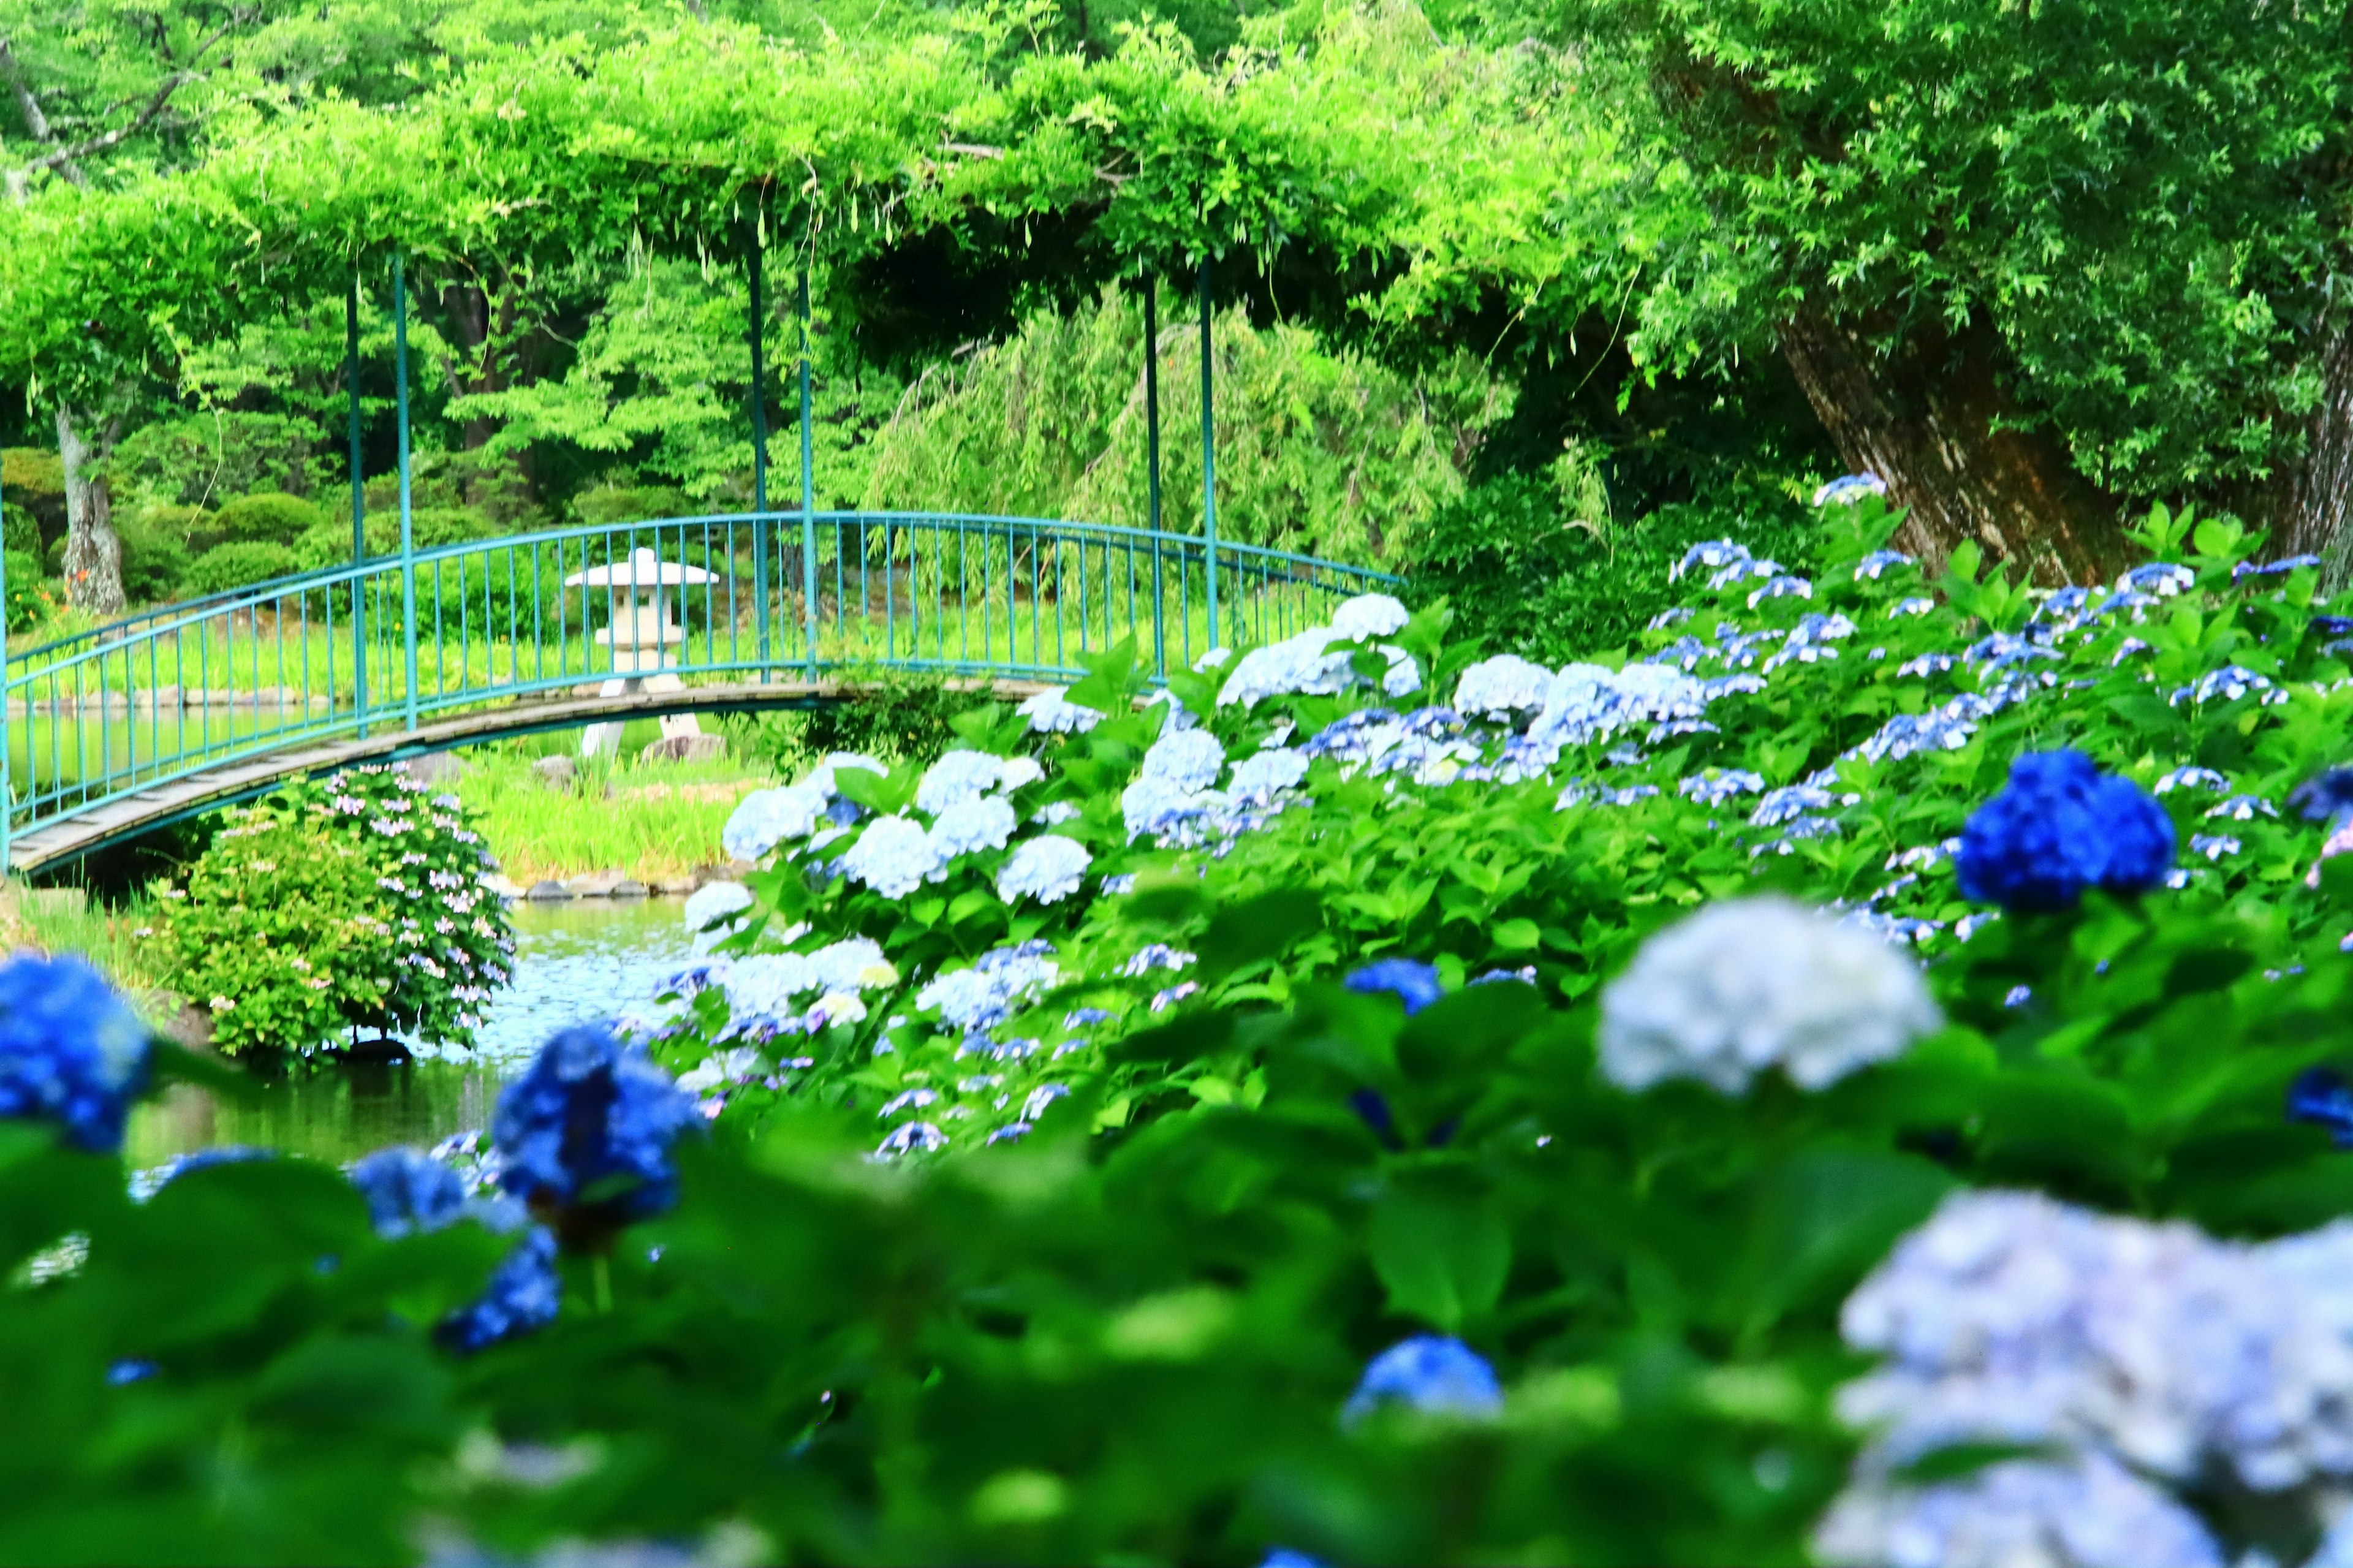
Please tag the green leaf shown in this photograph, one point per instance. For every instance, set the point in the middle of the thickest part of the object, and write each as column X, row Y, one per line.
column 1442, row 1255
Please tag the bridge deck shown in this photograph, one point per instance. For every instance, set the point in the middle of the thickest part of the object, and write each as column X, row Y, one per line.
column 130, row 814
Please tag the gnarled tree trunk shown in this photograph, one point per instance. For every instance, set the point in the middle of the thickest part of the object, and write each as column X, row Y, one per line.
column 1927, row 419
column 2311, row 509
column 93, row 564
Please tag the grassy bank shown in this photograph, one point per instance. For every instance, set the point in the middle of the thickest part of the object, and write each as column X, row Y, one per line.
column 653, row 820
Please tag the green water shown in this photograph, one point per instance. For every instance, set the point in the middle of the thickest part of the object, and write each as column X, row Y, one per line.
column 592, row 958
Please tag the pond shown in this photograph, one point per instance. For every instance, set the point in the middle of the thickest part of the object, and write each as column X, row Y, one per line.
column 576, row 962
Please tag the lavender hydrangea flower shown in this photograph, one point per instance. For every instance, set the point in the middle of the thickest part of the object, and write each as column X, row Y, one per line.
column 2058, row 827
column 1410, row 981
column 893, row 856
column 590, row 1111
column 1751, row 984
column 70, row 1051
column 1428, row 1373
column 1047, row 869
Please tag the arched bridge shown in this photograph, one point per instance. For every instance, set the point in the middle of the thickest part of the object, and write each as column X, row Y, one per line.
column 115, row 730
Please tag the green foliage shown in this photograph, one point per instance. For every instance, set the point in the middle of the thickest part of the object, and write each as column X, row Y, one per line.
column 327, row 909
column 32, row 496
column 894, row 714
column 197, row 459
column 155, row 558
column 266, row 519
column 228, row 566
column 1523, row 571
column 329, row 543
column 31, row 600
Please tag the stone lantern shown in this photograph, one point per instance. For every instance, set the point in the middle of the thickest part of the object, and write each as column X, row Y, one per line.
column 643, row 639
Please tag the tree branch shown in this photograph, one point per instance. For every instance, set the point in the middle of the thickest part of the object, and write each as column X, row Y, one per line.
column 66, row 160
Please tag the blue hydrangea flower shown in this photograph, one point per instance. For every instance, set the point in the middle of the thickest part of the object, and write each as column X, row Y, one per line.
column 2326, row 798
column 2059, row 826
column 525, row 1293
column 1047, row 869
column 1847, row 490
column 589, row 1111
column 766, row 817
column 1414, row 983
column 409, row 1192
column 2321, row 1095
column 70, row 1051
column 130, row 1369
column 1437, row 1376
column 972, row 824
column 893, row 856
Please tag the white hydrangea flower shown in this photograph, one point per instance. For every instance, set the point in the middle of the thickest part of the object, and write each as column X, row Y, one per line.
column 1403, row 676
column 1501, row 687
column 1054, row 813
column 1047, row 869
column 766, row 817
column 893, row 856
column 710, row 903
column 972, row 824
column 1369, row 616
column 1755, row 983
column 1052, row 713
column 1261, row 777
column 853, row 964
column 1015, row 772
column 997, row 982
column 959, row 776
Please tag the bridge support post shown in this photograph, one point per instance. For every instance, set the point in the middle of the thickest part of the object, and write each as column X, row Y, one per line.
column 1208, row 455
column 808, row 489
column 359, row 507
column 407, row 516
column 1152, row 461
column 760, row 528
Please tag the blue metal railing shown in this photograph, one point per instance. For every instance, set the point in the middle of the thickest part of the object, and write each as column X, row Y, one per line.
column 432, row 634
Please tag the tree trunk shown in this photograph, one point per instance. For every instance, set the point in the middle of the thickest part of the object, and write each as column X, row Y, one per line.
column 2312, row 504
column 1926, row 418
column 93, row 561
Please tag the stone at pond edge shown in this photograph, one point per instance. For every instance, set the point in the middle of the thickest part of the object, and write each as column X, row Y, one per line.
column 629, row 888
column 558, row 773
column 548, row 893
column 685, row 749
column 675, row 887
column 602, row 885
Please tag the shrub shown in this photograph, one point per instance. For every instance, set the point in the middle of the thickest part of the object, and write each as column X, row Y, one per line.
column 265, row 519
column 154, row 555
column 31, row 600
column 329, row 543
column 355, row 904
column 224, row 567
column 1521, row 573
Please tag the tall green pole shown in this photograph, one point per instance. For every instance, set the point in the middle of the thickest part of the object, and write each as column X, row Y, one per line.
column 1208, row 454
column 808, row 489
column 759, row 455
column 407, row 516
column 359, row 505
column 1151, row 462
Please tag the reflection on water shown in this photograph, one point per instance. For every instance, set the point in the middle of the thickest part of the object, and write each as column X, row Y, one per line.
column 590, row 959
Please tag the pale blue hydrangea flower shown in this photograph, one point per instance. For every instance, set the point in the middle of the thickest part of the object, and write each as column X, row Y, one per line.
column 2228, row 684
column 1751, row 984
column 1052, row 713
column 1713, row 786
column 2193, row 778
column 2162, row 578
column 1849, row 488
column 1185, row 760
column 972, row 824
column 1297, row 665
column 957, row 776
column 2213, row 846
column 1501, row 687
column 911, row 1137
column 1261, row 777
column 1054, row 813
column 1915, row 605
column 1044, row 1095
column 1403, row 676
column 985, row 995
column 1781, row 587
column 766, row 817
column 710, row 904
column 1868, row 569
column 1712, row 555
column 1741, row 572
column 1158, row 808
column 2085, row 1511
column 893, row 856
column 2243, row 808
column 1790, row 802
column 823, row 779
column 907, row 1100
column 1047, row 869
column 1369, row 616
column 1155, row 955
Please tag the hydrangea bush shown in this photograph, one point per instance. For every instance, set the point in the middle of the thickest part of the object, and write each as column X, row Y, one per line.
column 1860, row 1078
column 355, row 904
